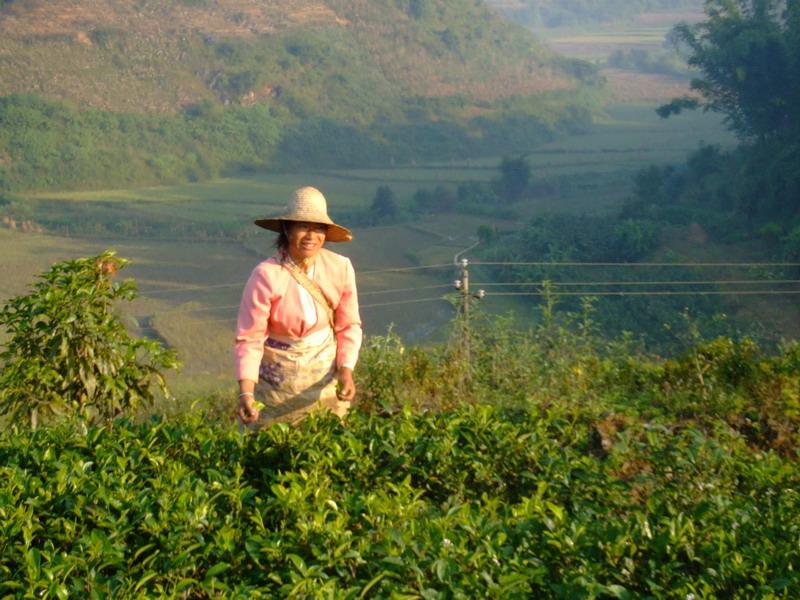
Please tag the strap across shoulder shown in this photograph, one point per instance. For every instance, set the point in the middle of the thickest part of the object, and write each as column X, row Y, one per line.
column 311, row 286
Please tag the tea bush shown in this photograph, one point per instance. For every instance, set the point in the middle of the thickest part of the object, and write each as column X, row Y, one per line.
column 563, row 362
column 478, row 501
column 68, row 353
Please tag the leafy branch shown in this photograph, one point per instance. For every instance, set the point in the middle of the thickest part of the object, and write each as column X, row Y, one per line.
column 69, row 353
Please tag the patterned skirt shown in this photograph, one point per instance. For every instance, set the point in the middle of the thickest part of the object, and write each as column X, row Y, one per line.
column 297, row 377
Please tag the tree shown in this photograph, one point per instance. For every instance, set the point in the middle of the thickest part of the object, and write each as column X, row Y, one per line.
column 68, row 353
column 383, row 205
column 515, row 174
column 487, row 235
column 440, row 199
column 444, row 199
column 748, row 52
column 648, row 185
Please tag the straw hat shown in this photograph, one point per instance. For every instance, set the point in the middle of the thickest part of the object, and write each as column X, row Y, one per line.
column 308, row 204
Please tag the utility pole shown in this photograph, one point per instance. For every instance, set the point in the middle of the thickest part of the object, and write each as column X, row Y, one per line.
column 462, row 285
column 465, row 295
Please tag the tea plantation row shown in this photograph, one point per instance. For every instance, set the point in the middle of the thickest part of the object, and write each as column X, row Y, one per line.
column 473, row 502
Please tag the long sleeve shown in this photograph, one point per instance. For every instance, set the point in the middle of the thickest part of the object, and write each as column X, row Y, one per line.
column 252, row 325
column 348, row 321
column 272, row 304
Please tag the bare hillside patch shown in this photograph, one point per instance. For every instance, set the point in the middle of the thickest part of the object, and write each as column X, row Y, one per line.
column 235, row 18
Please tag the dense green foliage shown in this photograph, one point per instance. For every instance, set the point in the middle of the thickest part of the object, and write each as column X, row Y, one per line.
column 48, row 144
column 591, row 476
column 561, row 13
column 68, row 353
column 719, row 193
column 737, row 195
column 585, row 238
column 432, row 136
column 603, row 241
column 748, row 55
column 515, row 175
column 562, row 361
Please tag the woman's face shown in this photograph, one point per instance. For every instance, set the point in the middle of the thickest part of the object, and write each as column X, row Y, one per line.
column 305, row 239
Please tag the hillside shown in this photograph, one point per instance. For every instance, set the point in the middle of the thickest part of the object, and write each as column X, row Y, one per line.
column 104, row 94
column 308, row 57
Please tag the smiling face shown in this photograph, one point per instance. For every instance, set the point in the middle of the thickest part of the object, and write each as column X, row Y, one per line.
column 305, row 239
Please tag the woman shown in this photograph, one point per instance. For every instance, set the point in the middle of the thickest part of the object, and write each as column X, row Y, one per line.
column 299, row 331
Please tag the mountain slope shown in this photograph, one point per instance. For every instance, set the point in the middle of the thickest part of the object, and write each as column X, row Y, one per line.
column 104, row 92
column 347, row 58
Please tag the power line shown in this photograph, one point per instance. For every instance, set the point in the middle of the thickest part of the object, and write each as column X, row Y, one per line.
column 408, row 289
column 191, row 288
column 401, row 302
column 658, row 293
column 600, row 293
column 151, row 292
column 241, row 284
column 229, row 306
column 233, row 318
column 609, row 283
column 539, row 283
column 199, row 287
column 190, row 310
column 632, row 264
column 401, row 269
column 604, row 293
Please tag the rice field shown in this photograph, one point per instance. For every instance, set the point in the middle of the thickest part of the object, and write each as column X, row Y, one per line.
column 647, row 32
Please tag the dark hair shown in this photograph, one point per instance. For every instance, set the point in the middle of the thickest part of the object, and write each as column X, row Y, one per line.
column 282, row 241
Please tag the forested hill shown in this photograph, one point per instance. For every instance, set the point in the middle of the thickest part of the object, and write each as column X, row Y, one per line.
column 129, row 92
column 560, row 13
column 349, row 59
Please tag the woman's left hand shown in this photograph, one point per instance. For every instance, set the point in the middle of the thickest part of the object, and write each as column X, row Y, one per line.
column 347, row 388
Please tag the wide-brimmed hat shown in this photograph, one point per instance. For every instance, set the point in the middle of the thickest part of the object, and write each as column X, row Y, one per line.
column 309, row 205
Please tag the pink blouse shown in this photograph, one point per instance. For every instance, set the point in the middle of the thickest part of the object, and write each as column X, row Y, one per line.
column 271, row 304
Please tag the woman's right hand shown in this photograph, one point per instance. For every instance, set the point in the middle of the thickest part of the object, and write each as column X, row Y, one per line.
column 248, row 411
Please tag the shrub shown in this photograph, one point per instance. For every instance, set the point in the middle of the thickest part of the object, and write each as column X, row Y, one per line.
column 515, row 174
column 68, row 354
column 791, row 244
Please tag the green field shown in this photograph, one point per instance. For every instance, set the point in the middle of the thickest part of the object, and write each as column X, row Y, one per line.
column 193, row 264
column 595, row 43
